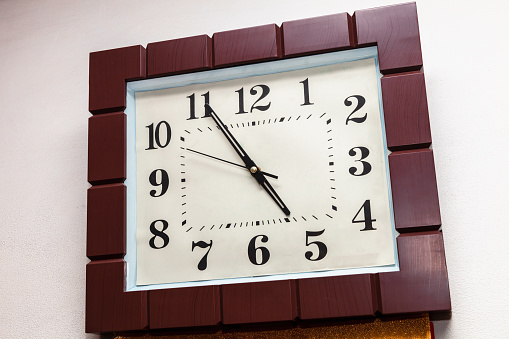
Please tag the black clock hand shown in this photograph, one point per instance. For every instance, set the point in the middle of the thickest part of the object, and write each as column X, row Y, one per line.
column 255, row 170
column 229, row 162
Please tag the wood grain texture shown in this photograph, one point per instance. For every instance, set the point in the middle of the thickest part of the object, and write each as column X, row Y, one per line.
column 259, row 302
column 334, row 297
column 185, row 307
column 108, row 73
column 320, row 34
column 247, row 45
column 406, row 111
column 106, row 221
column 107, row 148
column 414, row 191
column 179, row 55
column 395, row 30
column 108, row 307
column 421, row 285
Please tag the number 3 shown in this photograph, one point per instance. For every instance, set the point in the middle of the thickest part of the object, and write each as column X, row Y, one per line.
column 366, row 167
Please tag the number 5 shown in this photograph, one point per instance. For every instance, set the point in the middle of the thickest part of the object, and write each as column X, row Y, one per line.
column 322, row 249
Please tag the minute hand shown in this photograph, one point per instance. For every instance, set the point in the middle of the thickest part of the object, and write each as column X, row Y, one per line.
column 253, row 168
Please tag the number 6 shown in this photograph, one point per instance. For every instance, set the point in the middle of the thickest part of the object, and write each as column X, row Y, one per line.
column 252, row 249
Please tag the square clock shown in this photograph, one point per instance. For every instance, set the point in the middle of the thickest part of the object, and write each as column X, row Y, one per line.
column 263, row 175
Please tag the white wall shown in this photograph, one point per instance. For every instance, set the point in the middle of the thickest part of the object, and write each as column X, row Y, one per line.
column 44, row 48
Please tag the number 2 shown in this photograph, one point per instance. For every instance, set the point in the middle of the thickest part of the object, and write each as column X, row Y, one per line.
column 360, row 102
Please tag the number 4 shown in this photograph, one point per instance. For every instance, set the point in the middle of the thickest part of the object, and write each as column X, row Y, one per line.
column 368, row 222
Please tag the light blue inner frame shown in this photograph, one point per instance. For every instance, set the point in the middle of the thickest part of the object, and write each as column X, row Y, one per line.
column 272, row 67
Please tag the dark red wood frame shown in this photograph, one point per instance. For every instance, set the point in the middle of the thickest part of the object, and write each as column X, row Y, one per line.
column 421, row 285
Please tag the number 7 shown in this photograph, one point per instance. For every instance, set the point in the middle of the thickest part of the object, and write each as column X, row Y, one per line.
column 202, row 265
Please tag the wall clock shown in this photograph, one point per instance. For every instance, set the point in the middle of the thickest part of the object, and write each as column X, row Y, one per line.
column 316, row 121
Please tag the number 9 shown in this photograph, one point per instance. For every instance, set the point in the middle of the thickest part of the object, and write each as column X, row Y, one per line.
column 164, row 183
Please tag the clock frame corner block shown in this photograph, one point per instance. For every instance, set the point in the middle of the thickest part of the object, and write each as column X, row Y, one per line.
column 420, row 285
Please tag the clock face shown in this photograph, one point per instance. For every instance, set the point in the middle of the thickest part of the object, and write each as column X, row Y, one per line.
column 318, row 201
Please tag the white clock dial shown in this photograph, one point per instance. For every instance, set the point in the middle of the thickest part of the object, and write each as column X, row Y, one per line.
column 318, row 129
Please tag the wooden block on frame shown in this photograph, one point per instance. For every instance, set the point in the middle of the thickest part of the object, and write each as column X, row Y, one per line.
column 259, row 302
column 335, row 297
column 179, row 55
column 395, row 30
column 109, row 70
column 107, row 148
column 247, row 45
column 185, row 307
column 106, row 221
column 108, row 307
column 414, row 191
column 406, row 111
column 421, row 285
column 320, row 34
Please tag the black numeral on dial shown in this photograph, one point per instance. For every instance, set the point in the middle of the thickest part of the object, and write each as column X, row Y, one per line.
column 241, row 101
column 252, row 250
column 154, row 135
column 164, row 182
column 322, row 248
column 254, row 91
column 192, row 106
column 367, row 221
column 360, row 102
column 366, row 167
column 305, row 83
column 202, row 265
column 159, row 234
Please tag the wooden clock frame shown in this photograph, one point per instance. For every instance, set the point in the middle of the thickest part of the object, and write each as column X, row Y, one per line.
column 421, row 285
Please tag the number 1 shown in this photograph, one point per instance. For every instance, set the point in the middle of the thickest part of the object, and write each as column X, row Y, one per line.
column 305, row 83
